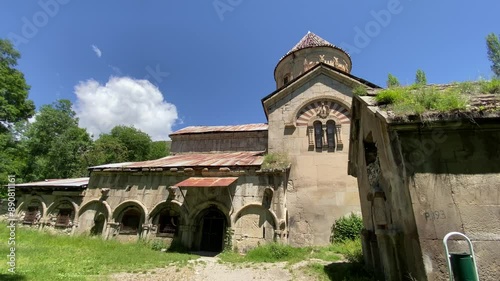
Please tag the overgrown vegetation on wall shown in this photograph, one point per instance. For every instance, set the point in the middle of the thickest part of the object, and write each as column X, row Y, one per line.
column 276, row 161
column 417, row 99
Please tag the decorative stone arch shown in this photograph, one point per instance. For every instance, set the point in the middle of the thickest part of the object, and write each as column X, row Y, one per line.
column 247, row 206
column 159, row 206
column 63, row 217
column 125, row 208
column 210, row 221
column 104, row 203
column 130, row 203
column 253, row 225
column 28, row 200
column 167, row 217
column 197, row 212
column 34, row 217
column 340, row 110
column 57, row 202
column 90, row 219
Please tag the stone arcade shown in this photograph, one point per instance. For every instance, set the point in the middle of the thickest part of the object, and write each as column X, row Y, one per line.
column 213, row 187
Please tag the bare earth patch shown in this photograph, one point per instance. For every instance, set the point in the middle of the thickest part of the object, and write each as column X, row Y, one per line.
column 210, row 268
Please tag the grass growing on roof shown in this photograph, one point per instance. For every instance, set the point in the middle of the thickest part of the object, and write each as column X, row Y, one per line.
column 43, row 256
column 416, row 99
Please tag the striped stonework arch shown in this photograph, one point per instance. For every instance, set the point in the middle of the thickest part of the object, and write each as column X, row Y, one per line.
column 336, row 111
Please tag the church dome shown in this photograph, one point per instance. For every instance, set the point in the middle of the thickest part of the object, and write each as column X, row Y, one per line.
column 308, row 52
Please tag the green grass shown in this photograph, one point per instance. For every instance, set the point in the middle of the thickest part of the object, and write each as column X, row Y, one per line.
column 417, row 99
column 274, row 252
column 42, row 256
column 351, row 269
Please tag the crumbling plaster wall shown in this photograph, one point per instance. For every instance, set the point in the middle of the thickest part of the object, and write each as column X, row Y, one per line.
column 455, row 186
column 319, row 189
column 243, row 201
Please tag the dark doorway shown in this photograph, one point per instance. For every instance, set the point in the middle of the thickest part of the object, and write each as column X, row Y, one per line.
column 98, row 225
column 212, row 234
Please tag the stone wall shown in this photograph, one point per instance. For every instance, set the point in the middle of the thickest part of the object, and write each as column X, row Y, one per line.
column 455, row 186
column 417, row 183
column 253, row 206
column 218, row 141
column 319, row 190
column 301, row 61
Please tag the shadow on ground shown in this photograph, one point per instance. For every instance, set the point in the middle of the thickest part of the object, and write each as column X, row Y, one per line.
column 12, row 277
column 348, row 271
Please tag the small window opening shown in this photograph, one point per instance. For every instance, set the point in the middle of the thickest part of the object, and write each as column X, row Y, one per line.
column 31, row 215
column 130, row 222
column 63, row 217
column 168, row 223
column 318, row 135
column 330, row 135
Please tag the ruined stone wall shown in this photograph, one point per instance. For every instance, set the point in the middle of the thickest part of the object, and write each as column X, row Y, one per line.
column 219, row 141
column 48, row 204
column 319, row 189
column 454, row 180
column 390, row 240
column 254, row 205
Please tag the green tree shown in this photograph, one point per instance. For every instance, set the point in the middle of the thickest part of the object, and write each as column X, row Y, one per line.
column 159, row 149
column 14, row 103
column 420, row 78
column 493, row 44
column 392, row 81
column 55, row 143
column 137, row 142
column 106, row 149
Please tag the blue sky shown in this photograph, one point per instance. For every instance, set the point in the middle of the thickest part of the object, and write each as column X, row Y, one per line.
column 211, row 62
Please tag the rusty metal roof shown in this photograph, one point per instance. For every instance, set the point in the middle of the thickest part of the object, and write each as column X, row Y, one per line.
column 207, row 182
column 217, row 129
column 75, row 182
column 222, row 159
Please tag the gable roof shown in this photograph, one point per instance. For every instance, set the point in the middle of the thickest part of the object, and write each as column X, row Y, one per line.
column 317, row 67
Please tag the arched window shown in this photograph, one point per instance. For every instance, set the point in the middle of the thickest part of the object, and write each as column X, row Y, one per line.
column 330, row 134
column 318, row 134
column 130, row 222
column 168, row 223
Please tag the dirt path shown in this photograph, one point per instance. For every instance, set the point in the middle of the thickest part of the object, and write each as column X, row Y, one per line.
column 211, row 268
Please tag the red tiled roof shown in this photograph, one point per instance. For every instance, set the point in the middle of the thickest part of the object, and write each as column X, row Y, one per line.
column 207, row 182
column 213, row 129
column 222, row 159
column 310, row 40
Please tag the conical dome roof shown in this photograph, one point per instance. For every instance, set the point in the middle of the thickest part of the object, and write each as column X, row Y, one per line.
column 308, row 41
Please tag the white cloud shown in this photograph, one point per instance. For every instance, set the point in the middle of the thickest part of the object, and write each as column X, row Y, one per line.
column 124, row 101
column 97, row 51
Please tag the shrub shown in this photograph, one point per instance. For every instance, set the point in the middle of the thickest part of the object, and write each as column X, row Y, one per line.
column 391, row 95
column 276, row 161
column 347, row 228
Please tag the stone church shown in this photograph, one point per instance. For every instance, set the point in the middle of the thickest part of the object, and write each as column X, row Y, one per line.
column 217, row 185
